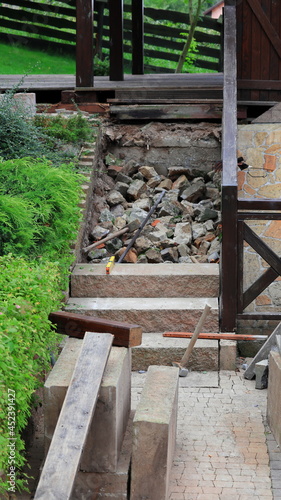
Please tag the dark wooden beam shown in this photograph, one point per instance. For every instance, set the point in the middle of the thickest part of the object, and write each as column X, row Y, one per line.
column 137, row 37
column 84, row 43
column 259, row 84
column 266, row 25
column 75, row 325
column 116, row 68
column 269, row 204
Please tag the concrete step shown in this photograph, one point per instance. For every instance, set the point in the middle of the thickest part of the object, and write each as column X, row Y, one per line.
column 147, row 280
column 158, row 350
column 152, row 314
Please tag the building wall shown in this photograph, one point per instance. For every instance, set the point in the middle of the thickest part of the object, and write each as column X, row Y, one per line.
column 260, row 145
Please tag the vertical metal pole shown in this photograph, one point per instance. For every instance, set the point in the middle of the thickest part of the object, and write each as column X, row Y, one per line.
column 84, row 43
column 137, row 37
column 116, row 71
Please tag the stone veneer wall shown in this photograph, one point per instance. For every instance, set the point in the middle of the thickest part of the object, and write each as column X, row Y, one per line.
column 260, row 145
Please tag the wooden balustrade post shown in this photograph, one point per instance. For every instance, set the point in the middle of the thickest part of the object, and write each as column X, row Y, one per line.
column 116, row 67
column 137, row 37
column 84, row 43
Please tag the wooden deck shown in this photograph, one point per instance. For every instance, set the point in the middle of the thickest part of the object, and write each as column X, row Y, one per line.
column 184, row 85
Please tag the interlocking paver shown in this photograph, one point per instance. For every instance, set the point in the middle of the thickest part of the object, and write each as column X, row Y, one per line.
column 224, row 448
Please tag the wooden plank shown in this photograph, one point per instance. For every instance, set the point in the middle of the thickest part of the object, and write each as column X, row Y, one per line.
column 75, row 325
column 116, row 64
column 263, row 353
column 63, row 459
column 84, row 43
column 137, row 37
column 168, row 112
column 240, row 265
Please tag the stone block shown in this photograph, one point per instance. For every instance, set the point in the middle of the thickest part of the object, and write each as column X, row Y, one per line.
column 154, row 434
column 273, row 395
column 261, row 372
column 103, row 485
column 112, row 411
column 228, row 354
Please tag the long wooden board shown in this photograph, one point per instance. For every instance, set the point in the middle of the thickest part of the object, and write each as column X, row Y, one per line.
column 75, row 325
column 62, row 462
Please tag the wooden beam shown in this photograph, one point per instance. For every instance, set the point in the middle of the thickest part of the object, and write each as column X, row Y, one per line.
column 75, row 325
column 137, row 37
column 262, row 249
column 63, row 459
column 168, row 112
column 116, row 67
column 84, row 43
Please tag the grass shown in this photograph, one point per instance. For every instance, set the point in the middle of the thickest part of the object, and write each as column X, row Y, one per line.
column 19, row 60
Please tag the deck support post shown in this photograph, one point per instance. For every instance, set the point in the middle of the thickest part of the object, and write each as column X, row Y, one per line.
column 84, row 43
column 116, row 70
column 229, row 265
column 137, row 37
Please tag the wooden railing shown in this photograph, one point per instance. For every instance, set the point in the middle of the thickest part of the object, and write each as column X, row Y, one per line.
column 53, row 25
column 235, row 212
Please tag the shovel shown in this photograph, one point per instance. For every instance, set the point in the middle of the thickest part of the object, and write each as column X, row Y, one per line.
column 184, row 360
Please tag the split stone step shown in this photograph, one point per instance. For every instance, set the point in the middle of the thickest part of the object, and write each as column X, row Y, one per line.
column 149, row 280
column 152, row 314
column 158, row 350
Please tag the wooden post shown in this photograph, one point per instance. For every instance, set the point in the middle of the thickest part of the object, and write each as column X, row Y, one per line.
column 137, row 37
column 228, row 274
column 84, row 43
column 116, row 71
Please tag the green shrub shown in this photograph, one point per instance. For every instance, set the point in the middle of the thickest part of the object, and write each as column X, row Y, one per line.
column 74, row 129
column 29, row 291
column 39, row 211
column 20, row 135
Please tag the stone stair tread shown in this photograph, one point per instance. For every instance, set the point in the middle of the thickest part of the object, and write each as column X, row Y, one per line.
column 155, row 340
column 173, row 269
column 156, row 303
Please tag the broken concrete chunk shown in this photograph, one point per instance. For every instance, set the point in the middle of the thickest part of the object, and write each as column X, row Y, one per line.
column 113, row 245
column 261, row 372
column 194, row 192
column 148, row 172
column 142, row 244
column 114, row 198
column 165, row 184
column 183, row 233
column 131, row 257
column 121, row 177
column 143, row 203
column 117, row 210
column 137, row 187
column 170, row 254
column 98, row 233
column 153, row 256
column 106, row 216
column 136, row 213
column 168, row 207
column 122, row 188
column 154, row 181
column 97, row 253
column 198, row 230
column 181, row 183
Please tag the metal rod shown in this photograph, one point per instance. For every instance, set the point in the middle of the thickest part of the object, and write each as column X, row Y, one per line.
column 141, row 227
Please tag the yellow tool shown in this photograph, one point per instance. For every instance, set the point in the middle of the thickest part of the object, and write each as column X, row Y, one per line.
column 110, row 265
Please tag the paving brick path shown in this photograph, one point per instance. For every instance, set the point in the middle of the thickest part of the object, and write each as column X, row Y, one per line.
column 222, row 451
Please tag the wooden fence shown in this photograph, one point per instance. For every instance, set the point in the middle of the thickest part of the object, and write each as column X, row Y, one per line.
column 53, row 25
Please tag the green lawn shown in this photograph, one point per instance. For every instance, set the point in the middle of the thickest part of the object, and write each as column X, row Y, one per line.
column 20, row 60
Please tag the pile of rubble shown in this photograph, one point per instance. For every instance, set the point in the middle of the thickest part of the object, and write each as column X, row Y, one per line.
column 185, row 226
